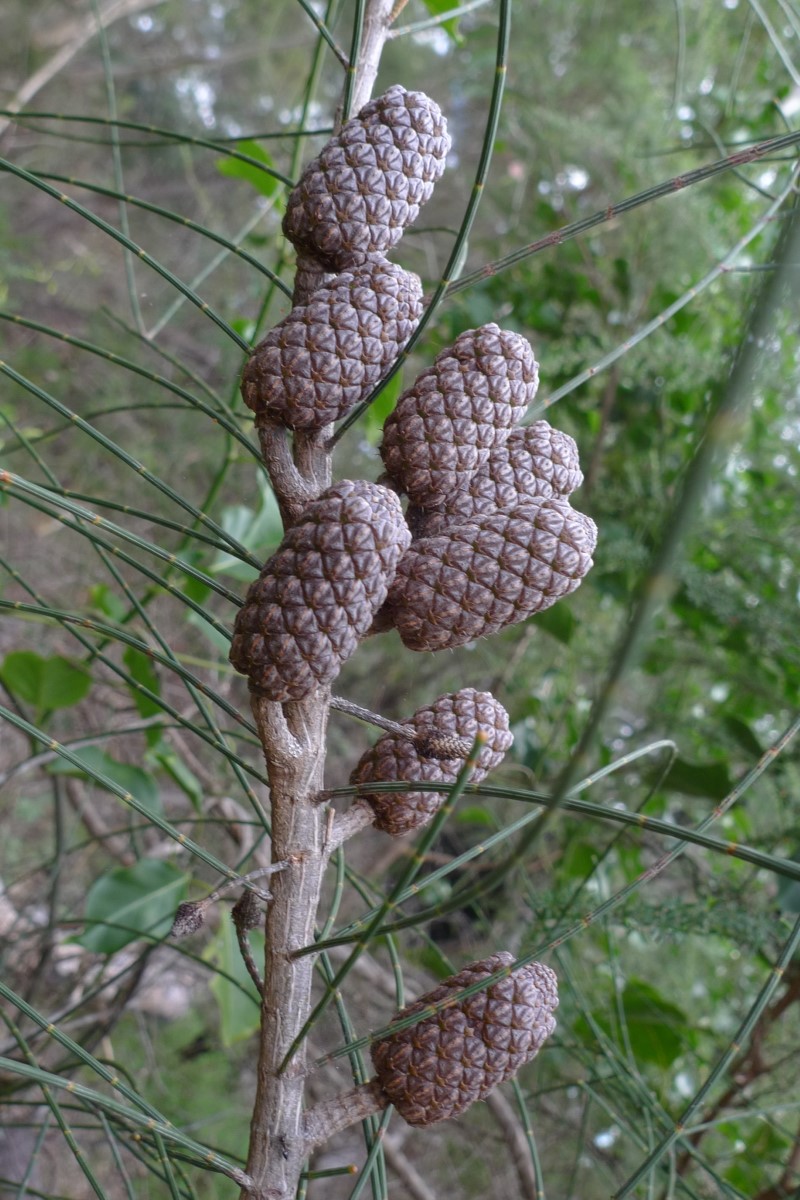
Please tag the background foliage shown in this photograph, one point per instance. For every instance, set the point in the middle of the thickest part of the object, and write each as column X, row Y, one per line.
column 134, row 511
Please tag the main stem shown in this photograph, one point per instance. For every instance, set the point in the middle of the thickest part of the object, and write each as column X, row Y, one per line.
column 294, row 748
column 293, row 737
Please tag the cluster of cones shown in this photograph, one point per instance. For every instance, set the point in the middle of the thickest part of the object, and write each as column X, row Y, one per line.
column 487, row 539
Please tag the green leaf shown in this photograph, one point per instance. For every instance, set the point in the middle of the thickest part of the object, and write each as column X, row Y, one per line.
column 47, row 683
column 218, row 640
column 789, row 891
column 380, row 408
column 177, row 769
column 259, row 532
column 237, row 999
column 743, row 735
column 558, row 622
column 22, row 672
column 139, row 899
column 475, row 814
column 142, row 669
column 657, row 1030
column 107, row 603
column 710, row 780
column 435, row 7
column 96, row 762
column 432, row 959
column 578, row 860
column 234, row 168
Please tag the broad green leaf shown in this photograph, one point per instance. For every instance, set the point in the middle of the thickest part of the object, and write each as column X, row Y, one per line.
column 259, row 532
column 129, row 901
column 380, row 408
column 106, row 602
column 434, row 961
column 234, row 168
column 435, row 7
column 177, row 769
column 22, row 672
column 578, row 860
column 710, row 780
column 751, row 1145
column 558, row 622
column 133, row 779
column 657, row 1030
column 237, row 999
column 47, row 683
column 475, row 814
column 142, row 669
column 741, row 732
column 789, row 891
column 217, row 639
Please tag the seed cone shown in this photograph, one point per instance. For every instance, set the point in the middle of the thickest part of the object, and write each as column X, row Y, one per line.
column 537, row 461
column 370, row 180
column 446, row 424
column 327, row 355
column 489, row 573
column 393, row 757
column 439, row 1067
column 317, row 595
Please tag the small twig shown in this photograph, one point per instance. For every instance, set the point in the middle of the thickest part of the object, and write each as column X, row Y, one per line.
column 115, row 843
column 433, row 22
column 428, row 742
column 84, row 32
column 371, row 718
column 244, row 880
column 246, row 915
column 396, row 10
column 191, row 914
column 345, row 825
column 330, row 1116
column 399, row 1161
column 514, row 1135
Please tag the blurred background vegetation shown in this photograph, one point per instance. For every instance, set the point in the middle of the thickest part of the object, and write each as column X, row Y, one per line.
column 123, row 434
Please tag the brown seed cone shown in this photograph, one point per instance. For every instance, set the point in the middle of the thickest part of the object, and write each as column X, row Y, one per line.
column 317, row 595
column 437, row 1068
column 446, row 424
column 327, row 355
column 393, row 757
column 370, row 180
column 489, row 573
column 537, row 461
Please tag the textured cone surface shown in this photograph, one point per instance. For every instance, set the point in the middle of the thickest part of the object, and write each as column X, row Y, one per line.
column 489, row 573
column 327, row 355
column 368, row 183
column 459, row 715
column 535, row 462
column 317, row 595
column 448, row 421
column 435, row 1069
